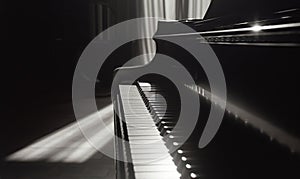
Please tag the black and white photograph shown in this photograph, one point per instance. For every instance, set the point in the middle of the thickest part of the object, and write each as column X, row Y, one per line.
column 150, row 89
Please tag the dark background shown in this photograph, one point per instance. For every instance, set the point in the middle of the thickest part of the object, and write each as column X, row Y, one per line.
column 44, row 39
column 41, row 44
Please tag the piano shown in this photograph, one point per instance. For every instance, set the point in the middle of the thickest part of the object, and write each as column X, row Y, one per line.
column 257, row 43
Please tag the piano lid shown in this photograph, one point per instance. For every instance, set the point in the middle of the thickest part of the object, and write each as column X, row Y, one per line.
column 249, row 8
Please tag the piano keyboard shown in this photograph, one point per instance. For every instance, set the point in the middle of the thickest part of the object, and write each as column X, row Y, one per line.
column 150, row 112
column 149, row 154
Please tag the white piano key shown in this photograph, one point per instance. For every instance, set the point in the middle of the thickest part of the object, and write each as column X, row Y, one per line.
column 140, row 131
column 143, row 162
column 154, row 168
column 160, row 175
column 141, row 125
column 155, row 156
column 153, row 137
column 152, row 141
column 150, row 156
column 148, row 150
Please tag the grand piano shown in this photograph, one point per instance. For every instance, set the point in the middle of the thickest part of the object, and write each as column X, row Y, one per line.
column 257, row 43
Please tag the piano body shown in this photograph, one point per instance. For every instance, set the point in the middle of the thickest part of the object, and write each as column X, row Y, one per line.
column 258, row 45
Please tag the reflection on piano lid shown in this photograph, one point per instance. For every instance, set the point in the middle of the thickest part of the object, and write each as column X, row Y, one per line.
column 279, row 30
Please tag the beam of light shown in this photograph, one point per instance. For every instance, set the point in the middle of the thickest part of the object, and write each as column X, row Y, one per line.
column 68, row 143
column 246, row 29
column 170, row 9
column 256, row 28
column 195, row 8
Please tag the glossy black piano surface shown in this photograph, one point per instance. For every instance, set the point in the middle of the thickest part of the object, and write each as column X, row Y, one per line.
column 258, row 46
